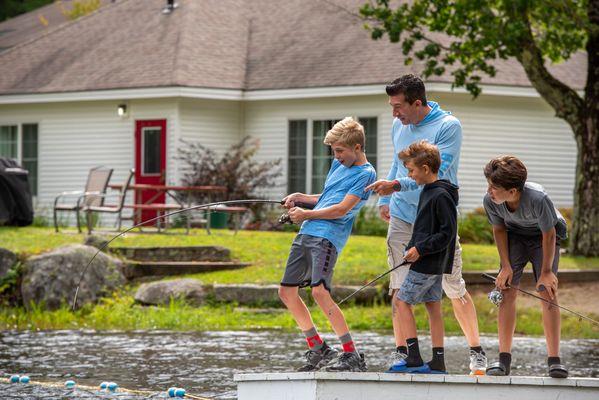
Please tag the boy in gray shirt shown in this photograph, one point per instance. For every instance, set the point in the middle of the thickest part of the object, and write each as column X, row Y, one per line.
column 526, row 227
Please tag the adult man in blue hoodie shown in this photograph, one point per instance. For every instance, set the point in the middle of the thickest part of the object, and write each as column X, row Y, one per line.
column 417, row 119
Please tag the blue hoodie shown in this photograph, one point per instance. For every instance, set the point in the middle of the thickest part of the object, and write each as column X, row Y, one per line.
column 438, row 127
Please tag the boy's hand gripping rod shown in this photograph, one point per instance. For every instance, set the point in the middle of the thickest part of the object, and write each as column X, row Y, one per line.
column 493, row 279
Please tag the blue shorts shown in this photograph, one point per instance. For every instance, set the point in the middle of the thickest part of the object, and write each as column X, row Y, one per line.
column 420, row 288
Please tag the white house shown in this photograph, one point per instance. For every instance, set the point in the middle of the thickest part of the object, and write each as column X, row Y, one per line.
column 216, row 70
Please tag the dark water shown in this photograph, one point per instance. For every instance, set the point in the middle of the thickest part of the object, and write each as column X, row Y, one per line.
column 204, row 363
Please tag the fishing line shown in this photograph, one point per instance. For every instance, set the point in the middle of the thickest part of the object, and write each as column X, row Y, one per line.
column 198, row 207
column 580, row 316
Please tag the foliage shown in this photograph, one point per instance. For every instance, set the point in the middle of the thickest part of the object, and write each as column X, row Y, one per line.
column 236, row 170
column 369, row 223
column 466, row 38
column 475, row 228
column 479, row 32
column 12, row 8
column 120, row 312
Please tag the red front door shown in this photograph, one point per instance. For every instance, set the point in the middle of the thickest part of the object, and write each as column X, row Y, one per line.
column 150, row 163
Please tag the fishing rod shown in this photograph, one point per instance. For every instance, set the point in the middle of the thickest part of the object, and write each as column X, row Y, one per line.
column 496, row 299
column 370, row 283
column 197, row 207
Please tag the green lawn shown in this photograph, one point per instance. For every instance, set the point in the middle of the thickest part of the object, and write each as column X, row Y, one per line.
column 363, row 258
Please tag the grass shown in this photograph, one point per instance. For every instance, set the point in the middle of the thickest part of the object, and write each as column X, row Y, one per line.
column 363, row 258
column 121, row 313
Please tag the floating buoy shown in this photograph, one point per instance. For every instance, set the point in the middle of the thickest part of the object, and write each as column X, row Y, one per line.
column 14, row 379
column 171, row 391
column 69, row 384
column 112, row 386
column 24, row 379
column 103, row 385
column 180, row 392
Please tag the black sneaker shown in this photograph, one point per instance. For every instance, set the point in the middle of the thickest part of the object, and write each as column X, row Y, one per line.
column 351, row 362
column 316, row 359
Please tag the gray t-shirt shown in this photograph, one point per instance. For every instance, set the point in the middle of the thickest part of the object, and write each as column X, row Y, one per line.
column 535, row 213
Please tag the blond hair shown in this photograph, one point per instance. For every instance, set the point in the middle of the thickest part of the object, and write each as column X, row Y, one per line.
column 422, row 153
column 348, row 132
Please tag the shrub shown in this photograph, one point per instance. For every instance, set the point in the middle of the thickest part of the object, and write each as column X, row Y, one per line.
column 369, row 223
column 237, row 170
column 475, row 228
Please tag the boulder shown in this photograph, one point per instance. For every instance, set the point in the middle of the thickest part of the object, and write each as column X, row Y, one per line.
column 7, row 260
column 160, row 293
column 51, row 278
column 99, row 242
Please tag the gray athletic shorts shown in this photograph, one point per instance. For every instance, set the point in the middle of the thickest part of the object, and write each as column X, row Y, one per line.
column 420, row 288
column 398, row 237
column 523, row 249
column 311, row 262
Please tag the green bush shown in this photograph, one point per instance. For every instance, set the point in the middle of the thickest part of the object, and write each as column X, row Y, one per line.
column 369, row 223
column 475, row 228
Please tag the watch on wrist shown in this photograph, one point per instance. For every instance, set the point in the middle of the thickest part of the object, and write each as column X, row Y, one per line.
column 396, row 186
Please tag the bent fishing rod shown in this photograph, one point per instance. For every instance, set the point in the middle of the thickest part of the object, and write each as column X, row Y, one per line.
column 197, row 207
column 494, row 279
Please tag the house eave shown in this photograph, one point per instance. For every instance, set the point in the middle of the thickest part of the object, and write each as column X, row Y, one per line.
column 245, row 95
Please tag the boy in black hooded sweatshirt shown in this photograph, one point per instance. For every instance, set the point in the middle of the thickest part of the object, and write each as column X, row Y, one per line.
column 430, row 253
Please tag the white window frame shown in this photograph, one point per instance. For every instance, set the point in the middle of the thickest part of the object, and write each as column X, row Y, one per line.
column 310, row 139
column 19, row 157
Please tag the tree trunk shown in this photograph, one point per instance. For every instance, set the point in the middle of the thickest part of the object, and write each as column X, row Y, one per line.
column 584, row 240
column 585, row 229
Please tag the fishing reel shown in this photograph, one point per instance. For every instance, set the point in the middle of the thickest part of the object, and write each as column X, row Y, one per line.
column 286, row 219
column 495, row 296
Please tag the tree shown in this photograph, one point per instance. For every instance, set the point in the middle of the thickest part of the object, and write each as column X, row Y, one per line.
column 464, row 37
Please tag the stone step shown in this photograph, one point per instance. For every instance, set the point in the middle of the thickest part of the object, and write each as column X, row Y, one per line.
column 136, row 270
column 174, row 253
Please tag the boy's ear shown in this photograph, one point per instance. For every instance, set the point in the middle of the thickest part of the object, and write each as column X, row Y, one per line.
column 427, row 169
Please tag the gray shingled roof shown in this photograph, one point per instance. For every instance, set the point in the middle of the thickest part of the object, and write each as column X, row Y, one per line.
column 230, row 44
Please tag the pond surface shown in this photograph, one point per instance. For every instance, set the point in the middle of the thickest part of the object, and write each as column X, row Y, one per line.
column 204, row 363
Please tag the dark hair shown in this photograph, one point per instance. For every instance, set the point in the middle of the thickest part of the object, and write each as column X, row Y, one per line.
column 411, row 86
column 422, row 153
column 507, row 172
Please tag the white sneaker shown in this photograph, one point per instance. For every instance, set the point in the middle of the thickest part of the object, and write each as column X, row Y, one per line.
column 395, row 357
column 478, row 363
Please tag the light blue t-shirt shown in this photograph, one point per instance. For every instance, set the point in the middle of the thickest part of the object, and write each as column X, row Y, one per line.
column 340, row 182
column 439, row 127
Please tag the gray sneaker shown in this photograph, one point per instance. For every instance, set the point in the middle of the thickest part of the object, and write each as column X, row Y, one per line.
column 478, row 363
column 395, row 358
column 348, row 362
column 316, row 359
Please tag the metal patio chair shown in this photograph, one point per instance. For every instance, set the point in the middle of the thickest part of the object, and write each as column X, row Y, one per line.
column 95, row 188
column 111, row 208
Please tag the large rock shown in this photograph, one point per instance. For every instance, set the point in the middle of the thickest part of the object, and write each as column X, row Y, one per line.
column 7, row 260
column 159, row 293
column 52, row 277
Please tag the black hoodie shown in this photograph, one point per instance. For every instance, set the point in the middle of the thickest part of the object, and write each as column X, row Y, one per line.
column 435, row 228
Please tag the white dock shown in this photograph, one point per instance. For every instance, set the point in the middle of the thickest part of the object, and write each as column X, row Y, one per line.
column 377, row 385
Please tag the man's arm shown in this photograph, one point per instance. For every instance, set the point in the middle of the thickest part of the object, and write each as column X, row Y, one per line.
column 335, row 211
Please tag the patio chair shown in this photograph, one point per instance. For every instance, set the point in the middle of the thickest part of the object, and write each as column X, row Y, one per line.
column 111, row 209
column 95, row 188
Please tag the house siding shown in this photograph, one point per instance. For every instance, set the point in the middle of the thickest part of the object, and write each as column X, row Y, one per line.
column 492, row 125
